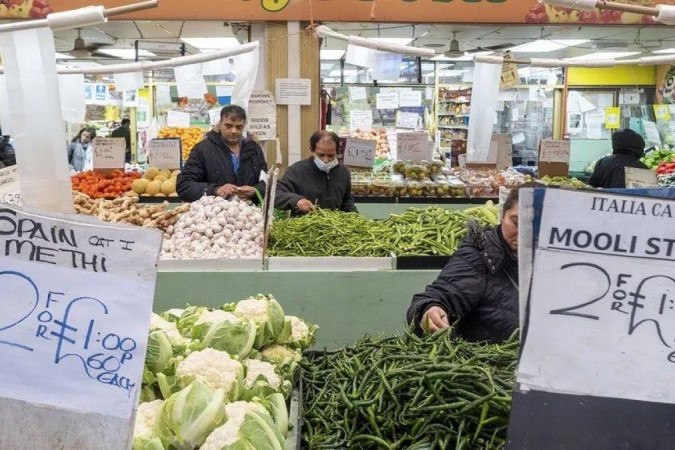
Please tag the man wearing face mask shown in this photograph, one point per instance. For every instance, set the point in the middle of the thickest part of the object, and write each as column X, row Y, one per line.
column 319, row 181
column 224, row 164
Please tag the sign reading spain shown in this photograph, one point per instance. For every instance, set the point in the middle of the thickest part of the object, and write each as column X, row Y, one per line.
column 411, row 11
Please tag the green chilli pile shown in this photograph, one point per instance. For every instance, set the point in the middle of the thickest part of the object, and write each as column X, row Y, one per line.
column 409, row 392
column 418, row 231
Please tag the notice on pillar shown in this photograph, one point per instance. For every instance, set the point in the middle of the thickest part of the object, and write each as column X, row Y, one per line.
column 75, row 309
column 601, row 317
column 10, row 189
column 164, row 153
column 109, row 153
column 294, row 91
column 262, row 115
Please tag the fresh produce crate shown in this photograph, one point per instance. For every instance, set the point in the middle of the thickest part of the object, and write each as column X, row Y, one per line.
column 328, row 263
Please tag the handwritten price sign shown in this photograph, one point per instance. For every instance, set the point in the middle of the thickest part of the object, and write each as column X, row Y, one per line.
column 554, row 151
column 603, row 297
column 360, row 152
column 109, row 153
column 164, row 153
column 413, row 146
column 74, row 311
column 10, row 190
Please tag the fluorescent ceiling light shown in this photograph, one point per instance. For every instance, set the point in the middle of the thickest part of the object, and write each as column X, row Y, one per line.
column 399, row 41
column 665, row 50
column 332, row 54
column 469, row 56
column 125, row 53
column 217, row 43
column 545, row 45
column 63, row 56
column 602, row 56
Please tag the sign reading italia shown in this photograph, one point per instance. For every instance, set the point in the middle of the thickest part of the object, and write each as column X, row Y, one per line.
column 406, row 11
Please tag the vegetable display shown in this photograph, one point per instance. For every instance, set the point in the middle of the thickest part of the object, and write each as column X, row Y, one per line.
column 198, row 396
column 409, row 392
column 653, row 159
column 100, row 185
column 216, row 228
column 419, row 231
column 156, row 183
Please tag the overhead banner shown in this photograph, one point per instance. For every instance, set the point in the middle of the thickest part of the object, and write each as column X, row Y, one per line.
column 400, row 11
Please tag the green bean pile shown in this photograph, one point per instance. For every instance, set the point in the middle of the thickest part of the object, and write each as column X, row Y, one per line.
column 409, row 392
column 418, row 231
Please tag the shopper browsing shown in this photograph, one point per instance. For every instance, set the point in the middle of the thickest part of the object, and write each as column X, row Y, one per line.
column 610, row 172
column 80, row 150
column 124, row 132
column 319, row 181
column 224, row 164
column 478, row 287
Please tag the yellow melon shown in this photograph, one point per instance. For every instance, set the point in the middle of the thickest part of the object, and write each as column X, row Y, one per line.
column 168, row 187
column 175, row 174
column 175, row 194
column 166, row 172
column 159, row 195
column 161, row 178
column 151, row 173
column 139, row 186
column 153, row 188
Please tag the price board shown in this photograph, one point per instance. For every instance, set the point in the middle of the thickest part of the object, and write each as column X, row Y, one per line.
column 413, row 146
column 164, row 153
column 360, row 152
column 10, row 190
column 108, row 153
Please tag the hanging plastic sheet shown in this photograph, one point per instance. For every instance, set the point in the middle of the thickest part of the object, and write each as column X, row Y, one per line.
column 386, row 66
column 484, row 98
column 71, row 91
column 217, row 67
column 128, row 81
column 190, row 81
column 33, row 94
column 245, row 69
column 5, row 118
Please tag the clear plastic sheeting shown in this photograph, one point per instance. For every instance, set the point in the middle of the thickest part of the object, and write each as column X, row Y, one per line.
column 190, row 81
column 131, row 81
column 71, row 91
column 36, row 121
column 245, row 70
column 5, row 118
column 484, row 99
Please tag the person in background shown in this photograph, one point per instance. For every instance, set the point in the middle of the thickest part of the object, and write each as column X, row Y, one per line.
column 124, row 131
column 319, row 181
column 7, row 154
column 80, row 148
column 224, row 164
column 610, row 172
column 479, row 285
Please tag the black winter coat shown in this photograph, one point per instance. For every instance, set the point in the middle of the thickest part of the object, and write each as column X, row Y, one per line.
column 304, row 180
column 209, row 166
column 478, row 286
column 610, row 171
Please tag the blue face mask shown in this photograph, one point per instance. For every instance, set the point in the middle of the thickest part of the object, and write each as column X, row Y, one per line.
column 325, row 167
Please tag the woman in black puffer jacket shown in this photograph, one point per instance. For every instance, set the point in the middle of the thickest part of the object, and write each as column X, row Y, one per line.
column 478, row 286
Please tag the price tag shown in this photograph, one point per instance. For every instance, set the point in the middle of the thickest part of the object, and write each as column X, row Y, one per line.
column 640, row 178
column 164, row 153
column 214, row 116
column 387, row 100
column 10, row 190
column 407, row 120
column 360, row 152
column 108, row 153
column 178, row 119
column 74, row 310
column 413, row 146
column 361, row 120
column 554, row 151
column 461, row 160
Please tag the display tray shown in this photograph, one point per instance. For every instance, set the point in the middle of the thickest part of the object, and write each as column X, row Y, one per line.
column 427, row 200
column 421, row 262
column 328, row 264
column 210, row 265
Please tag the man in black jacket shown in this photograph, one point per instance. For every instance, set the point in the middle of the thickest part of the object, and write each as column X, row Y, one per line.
column 610, row 172
column 317, row 181
column 224, row 164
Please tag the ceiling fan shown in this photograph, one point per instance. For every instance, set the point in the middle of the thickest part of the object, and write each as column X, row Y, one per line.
column 82, row 50
column 454, row 50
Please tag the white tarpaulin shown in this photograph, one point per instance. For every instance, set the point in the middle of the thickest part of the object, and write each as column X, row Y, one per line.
column 36, row 121
column 484, row 98
column 217, row 67
column 71, row 91
column 128, row 81
column 246, row 70
column 190, row 81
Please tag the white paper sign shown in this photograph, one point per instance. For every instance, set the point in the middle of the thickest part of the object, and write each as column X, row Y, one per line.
column 600, row 321
column 461, row 160
column 108, row 153
column 515, row 114
column 214, row 116
column 224, row 91
column 554, row 151
column 360, row 120
column 291, row 91
column 178, row 119
column 429, row 93
column 410, row 98
column 164, row 153
column 407, row 120
column 652, row 132
column 262, row 115
column 640, row 178
column 387, row 100
column 413, row 146
column 360, row 152
column 76, row 303
column 357, row 93
column 10, row 190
